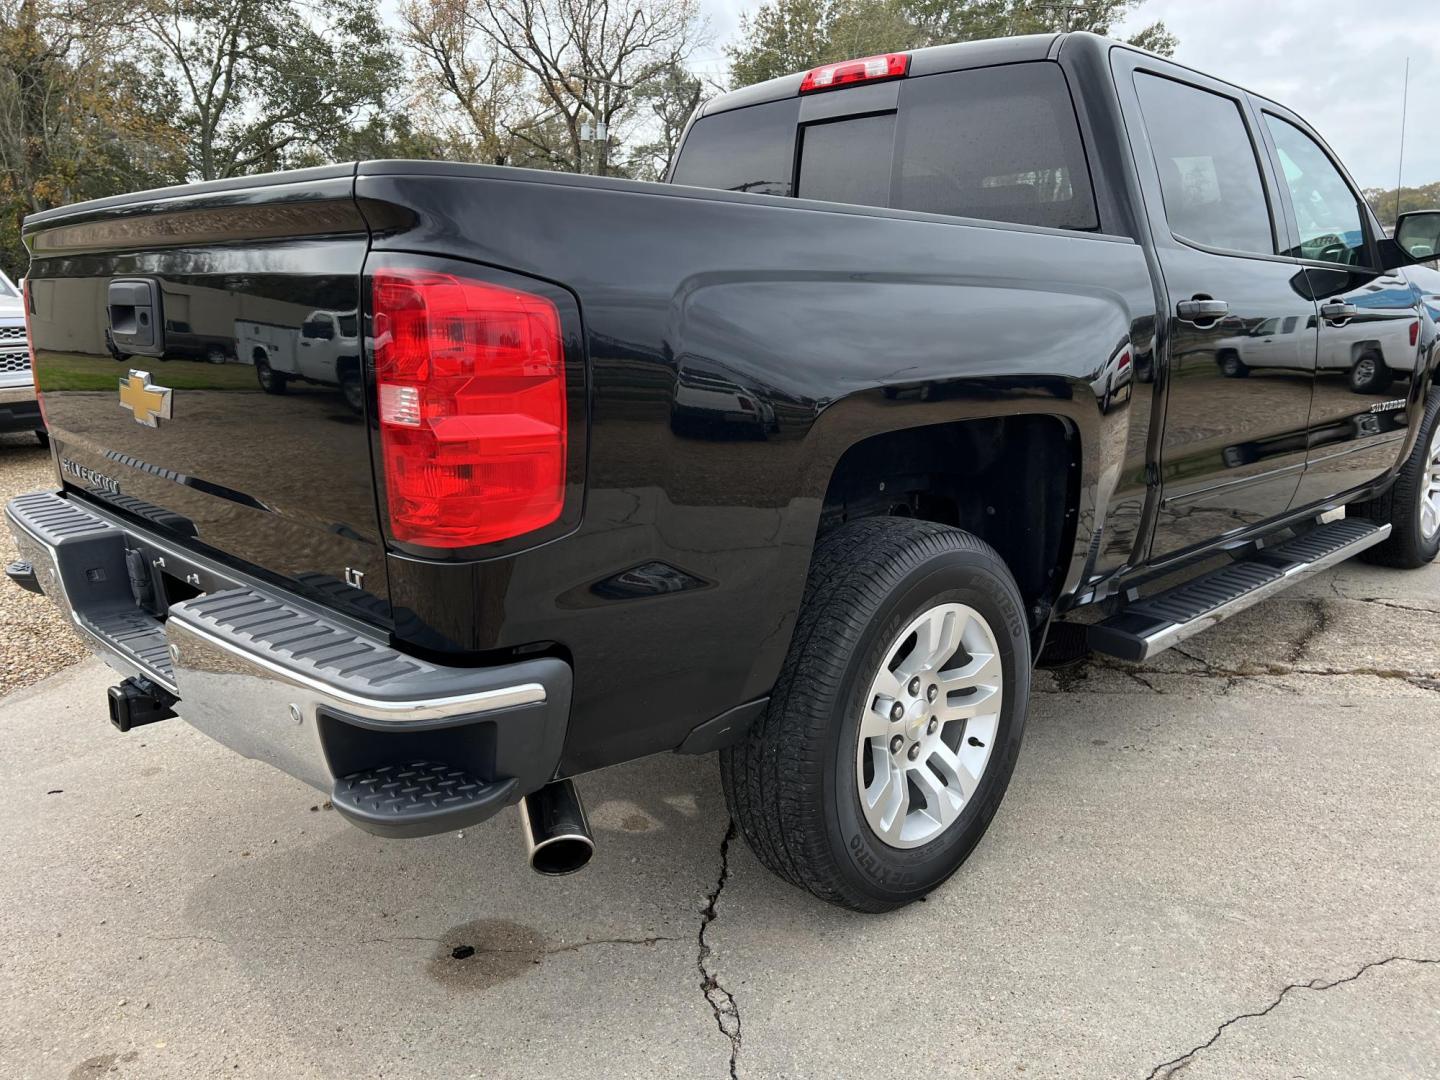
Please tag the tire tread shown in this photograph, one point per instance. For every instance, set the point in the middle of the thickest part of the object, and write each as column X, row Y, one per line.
column 774, row 779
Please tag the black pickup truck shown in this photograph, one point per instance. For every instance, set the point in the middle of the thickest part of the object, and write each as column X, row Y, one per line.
column 798, row 457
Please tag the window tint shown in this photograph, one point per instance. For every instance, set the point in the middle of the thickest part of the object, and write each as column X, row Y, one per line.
column 349, row 326
column 1209, row 175
column 751, row 149
column 1326, row 209
column 848, row 160
column 998, row 143
column 322, row 328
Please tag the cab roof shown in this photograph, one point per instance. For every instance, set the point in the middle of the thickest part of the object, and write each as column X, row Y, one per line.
column 928, row 61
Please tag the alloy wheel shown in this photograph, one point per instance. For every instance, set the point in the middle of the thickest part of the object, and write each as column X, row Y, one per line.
column 929, row 725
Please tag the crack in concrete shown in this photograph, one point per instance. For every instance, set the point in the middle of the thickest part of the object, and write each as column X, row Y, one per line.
column 1422, row 680
column 1071, row 677
column 722, row 1001
column 1320, row 624
column 1170, row 1068
column 1381, row 601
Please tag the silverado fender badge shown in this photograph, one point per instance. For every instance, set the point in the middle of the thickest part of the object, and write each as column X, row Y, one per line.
column 149, row 404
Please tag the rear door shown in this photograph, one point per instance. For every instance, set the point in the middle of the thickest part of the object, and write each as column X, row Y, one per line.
column 1369, row 319
column 1240, row 333
column 274, row 477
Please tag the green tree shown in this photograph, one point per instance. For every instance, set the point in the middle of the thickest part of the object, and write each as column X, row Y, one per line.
column 380, row 137
column 784, row 36
column 262, row 83
column 79, row 119
column 1420, row 197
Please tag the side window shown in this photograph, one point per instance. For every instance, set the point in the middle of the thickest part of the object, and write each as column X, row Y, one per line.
column 319, row 328
column 1000, row 143
column 1327, row 211
column 1209, row 174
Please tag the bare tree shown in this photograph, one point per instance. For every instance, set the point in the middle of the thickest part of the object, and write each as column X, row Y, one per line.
column 670, row 100
column 536, row 76
column 462, row 73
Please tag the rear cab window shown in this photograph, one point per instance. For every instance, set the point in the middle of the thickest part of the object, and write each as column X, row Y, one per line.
column 750, row 149
column 998, row 144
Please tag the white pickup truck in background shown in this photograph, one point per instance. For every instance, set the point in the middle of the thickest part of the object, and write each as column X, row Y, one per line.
column 323, row 349
column 19, row 410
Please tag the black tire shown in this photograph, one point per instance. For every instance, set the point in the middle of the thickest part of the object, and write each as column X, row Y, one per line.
column 1369, row 375
column 791, row 785
column 1407, row 547
column 353, row 391
column 1232, row 367
column 271, row 381
column 215, row 355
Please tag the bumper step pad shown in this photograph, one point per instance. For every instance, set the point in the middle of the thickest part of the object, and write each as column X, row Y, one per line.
column 1155, row 623
column 417, row 799
column 137, row 635
column 78, row 560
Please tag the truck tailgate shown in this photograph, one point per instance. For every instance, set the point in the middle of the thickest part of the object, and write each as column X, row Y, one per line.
column 198, row 357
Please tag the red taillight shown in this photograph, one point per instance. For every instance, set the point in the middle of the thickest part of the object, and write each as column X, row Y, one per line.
column 470, row 381
column 866, row 69
column 1415, row 333
column 30, row 344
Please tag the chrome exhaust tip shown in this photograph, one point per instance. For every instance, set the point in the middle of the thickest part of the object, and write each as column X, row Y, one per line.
column 557, row 836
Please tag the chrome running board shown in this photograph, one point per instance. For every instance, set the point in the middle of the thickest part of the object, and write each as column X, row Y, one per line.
column 1155, row 623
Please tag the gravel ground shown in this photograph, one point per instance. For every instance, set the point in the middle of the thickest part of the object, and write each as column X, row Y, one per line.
column 34, row 640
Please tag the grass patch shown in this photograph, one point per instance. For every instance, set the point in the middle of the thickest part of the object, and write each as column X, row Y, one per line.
column 73, row 371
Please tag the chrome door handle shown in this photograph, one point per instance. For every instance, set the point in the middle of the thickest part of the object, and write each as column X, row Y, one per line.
column 1338, row 312
column 1202, row 311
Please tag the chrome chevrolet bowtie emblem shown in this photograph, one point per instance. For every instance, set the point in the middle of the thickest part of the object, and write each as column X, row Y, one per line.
column 148, row 403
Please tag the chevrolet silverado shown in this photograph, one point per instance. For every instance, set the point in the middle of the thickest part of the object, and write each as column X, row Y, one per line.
column 799, row 457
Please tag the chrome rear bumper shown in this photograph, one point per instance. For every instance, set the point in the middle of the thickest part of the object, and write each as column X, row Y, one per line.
column 280, row 680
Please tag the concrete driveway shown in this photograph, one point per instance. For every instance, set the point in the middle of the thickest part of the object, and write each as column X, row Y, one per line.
column 1222, row 864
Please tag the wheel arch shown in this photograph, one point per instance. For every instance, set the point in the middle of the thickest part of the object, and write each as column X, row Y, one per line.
column 1360, row 348
column 967, row 473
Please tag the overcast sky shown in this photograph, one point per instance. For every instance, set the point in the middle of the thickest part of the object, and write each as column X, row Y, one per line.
column 1338, row 63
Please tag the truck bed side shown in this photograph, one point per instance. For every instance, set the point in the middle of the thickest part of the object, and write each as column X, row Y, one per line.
column 738, row 347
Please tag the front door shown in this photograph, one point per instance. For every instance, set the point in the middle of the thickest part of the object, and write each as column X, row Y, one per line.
column 1369, row 320
column 1242, row 333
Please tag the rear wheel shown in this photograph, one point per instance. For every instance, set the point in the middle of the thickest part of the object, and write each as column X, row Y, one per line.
column 1369, row 374
column 1232, row 367
column 271, row 381
column 894, row 727
column 352, row 390
column 1412, row 505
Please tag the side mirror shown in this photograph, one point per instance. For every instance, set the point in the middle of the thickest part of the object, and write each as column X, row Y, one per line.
column 1418, row 234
